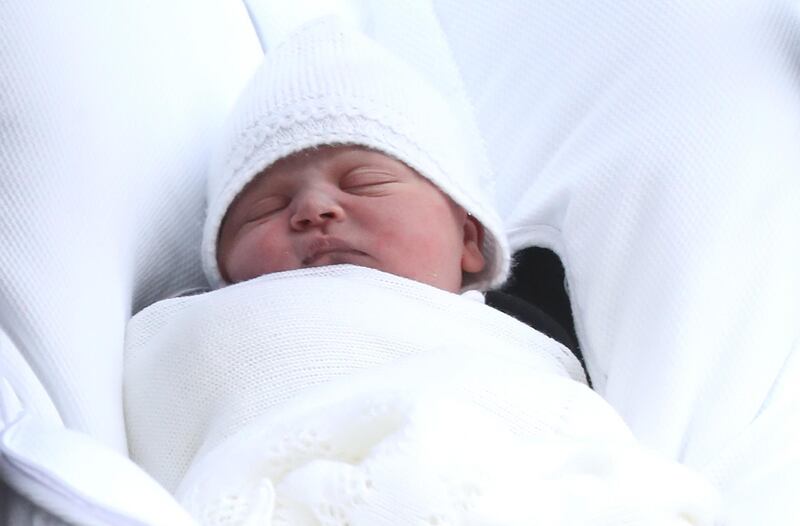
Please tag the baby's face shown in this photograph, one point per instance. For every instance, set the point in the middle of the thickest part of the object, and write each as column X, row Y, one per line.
column 347, row 204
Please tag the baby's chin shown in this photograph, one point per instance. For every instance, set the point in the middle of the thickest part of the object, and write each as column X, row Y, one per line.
column 340, row 257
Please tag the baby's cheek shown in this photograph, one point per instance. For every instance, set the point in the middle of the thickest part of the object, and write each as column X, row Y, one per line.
column 248, row 257
column 274, row 255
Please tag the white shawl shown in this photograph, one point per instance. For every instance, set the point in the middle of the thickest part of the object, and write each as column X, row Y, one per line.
column 346, row 395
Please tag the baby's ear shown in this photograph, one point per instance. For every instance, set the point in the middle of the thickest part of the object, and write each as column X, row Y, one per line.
column 472, row 259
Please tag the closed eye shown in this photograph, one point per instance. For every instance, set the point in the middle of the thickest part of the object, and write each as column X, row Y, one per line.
column 265, row 207
column 368, row 181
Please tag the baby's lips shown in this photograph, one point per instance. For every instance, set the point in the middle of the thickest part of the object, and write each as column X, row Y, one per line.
column 322, row 246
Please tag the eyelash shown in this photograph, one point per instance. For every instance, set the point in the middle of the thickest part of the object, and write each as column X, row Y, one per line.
column 356, row 183
column 268, row 210
column 361, row 181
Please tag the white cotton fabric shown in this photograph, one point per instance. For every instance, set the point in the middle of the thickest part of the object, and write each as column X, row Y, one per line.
column 107, row 114
column 344, row 395
column 444, row 437
column 199, row 368
column 655, row 149
column 80, row 479
column 653, row 145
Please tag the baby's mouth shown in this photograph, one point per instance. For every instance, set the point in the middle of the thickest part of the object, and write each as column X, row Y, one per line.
column 330, row 251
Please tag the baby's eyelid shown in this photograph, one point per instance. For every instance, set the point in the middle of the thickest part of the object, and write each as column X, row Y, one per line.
column 266, row 206
column 367, row 177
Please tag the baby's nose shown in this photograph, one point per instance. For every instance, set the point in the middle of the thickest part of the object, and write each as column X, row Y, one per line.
column 315, row 208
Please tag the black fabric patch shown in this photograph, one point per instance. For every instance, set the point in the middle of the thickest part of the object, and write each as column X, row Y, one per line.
column 536, row 295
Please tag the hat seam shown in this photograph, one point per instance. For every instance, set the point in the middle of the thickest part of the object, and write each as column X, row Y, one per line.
column 235, row 163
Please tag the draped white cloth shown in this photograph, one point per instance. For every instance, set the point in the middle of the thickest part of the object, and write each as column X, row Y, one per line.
column 653, row 145
column 344, row 395
column 198, row 368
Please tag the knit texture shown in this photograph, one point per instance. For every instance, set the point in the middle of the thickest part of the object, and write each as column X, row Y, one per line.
column 106, row 120
column 330, row 84
column 199, row 368
column 344, row 395
column 444, row 437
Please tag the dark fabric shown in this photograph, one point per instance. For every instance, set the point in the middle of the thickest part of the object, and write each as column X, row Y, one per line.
column 530, row 315
column 536, row 295
column 537, row 276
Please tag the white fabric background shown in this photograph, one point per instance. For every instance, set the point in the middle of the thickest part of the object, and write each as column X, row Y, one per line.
column 653, row 146
column 107, row 111
column 656, row 149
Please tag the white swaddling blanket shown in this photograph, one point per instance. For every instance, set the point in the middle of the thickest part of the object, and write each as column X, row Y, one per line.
column 344, row 395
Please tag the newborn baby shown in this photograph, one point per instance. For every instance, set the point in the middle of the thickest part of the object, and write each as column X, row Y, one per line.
column 345, row 370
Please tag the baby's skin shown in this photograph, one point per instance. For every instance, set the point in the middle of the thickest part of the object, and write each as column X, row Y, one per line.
column 348, row 204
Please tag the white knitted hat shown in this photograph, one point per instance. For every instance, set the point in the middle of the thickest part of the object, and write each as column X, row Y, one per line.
column 329, row 84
